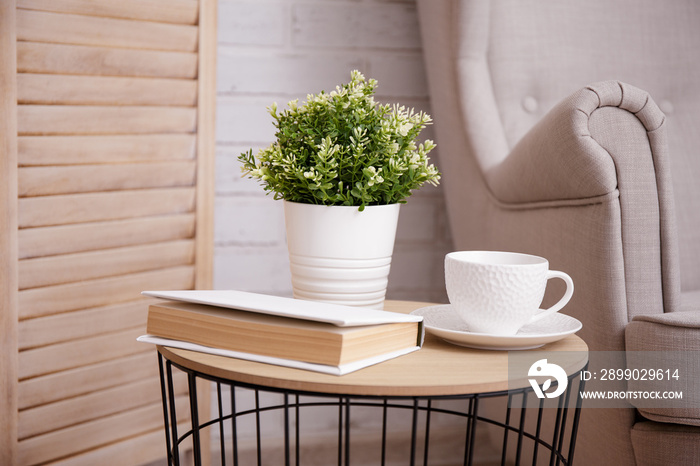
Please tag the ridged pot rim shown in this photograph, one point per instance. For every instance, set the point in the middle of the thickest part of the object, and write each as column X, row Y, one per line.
column 354, row 207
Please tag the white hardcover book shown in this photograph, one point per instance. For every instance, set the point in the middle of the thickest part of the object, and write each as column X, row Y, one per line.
column 342, row 316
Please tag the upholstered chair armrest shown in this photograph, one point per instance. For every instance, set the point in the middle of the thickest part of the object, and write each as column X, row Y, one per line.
column 606, row 142
column 568, row 154
column 671, row 340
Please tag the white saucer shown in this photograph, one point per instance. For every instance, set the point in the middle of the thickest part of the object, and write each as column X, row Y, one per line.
column 442, row 321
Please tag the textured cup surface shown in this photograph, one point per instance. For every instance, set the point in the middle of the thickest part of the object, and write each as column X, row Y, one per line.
column 499, row 292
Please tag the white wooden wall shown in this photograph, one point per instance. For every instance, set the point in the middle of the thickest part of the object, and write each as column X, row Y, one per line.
column 279, row 50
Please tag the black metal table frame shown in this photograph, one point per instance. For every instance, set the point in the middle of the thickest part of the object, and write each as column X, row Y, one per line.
column 345, row 402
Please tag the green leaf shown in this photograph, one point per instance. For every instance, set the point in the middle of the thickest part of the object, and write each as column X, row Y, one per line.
column 350, row 141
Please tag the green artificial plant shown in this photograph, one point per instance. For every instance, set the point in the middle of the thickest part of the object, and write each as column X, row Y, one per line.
column 342, row 148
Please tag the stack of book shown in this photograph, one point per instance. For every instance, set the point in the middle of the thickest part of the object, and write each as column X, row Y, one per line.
column 308, row 335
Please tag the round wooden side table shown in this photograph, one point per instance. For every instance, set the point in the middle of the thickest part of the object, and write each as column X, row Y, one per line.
column 439, row 371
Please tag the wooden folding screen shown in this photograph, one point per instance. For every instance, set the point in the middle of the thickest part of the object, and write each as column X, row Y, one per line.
column 106, row 189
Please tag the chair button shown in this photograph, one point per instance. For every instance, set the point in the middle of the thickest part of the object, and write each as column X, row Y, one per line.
column 666, row 107
column 530, row 104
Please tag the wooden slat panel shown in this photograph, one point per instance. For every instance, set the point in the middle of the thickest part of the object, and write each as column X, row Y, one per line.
column 93, row 434
column 68, row 119
column 8, row 234
column 75, row 150
column 144, row 449
column 76, row 382
column 115, row 58
column 73, row 411
column 43, row 181
column 37, row 57
column 82, row 324
column 54, row 270
column 95, row 207
column 58, row 89
column 206, row 142
column 58, row 28
column 168, row 11
column 47, row 241
column 78, row 353
column 50, row 300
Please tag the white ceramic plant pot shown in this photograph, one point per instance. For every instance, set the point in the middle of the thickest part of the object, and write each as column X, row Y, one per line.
column 340, row 255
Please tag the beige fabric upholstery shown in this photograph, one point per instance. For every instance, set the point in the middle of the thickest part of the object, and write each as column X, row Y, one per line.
column 570, row 130
column 517, row 59
column 670, row 334
column 657, row 444
column 541, row 52
column 690, row 301
column 560, row 159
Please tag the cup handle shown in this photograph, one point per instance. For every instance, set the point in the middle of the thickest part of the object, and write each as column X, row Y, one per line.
column 562, row 302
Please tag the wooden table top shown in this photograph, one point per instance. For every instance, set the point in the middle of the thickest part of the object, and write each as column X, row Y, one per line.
column 437, row 369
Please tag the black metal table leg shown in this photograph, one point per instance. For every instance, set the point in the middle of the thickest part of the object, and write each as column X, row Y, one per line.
column 194, row 417
column 565, row 424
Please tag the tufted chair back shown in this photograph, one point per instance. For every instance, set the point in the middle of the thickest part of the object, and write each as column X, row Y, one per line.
column 521, row 57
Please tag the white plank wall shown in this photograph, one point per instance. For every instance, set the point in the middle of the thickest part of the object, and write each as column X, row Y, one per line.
column 111, row 175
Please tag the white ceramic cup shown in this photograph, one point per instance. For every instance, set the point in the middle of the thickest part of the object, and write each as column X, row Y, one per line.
column 499, row 292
